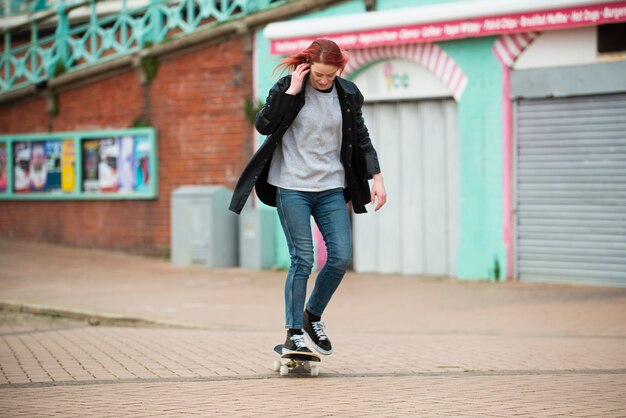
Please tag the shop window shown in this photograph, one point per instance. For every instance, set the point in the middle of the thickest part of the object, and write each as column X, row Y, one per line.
column 612, row 38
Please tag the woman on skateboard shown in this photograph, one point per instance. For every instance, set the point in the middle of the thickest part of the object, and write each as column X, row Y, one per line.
column 317, row 156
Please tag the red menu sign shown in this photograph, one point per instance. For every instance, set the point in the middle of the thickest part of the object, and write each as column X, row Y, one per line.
column 455, row 29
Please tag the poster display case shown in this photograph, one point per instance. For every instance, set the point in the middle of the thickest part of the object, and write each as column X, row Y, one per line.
column 115, row 164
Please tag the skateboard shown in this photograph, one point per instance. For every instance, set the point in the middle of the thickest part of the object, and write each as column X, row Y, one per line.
column 296, row 363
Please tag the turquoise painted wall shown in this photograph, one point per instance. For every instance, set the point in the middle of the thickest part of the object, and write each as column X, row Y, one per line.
column 480, row 136
column 480, row 128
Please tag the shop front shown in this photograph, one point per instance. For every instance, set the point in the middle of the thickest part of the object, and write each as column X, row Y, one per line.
column 449, row 113
column 570, row 159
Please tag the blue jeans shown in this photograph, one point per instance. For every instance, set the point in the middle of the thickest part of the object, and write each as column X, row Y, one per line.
column 332, row 217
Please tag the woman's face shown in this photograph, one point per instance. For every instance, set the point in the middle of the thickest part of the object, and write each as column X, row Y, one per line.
column 322, row 75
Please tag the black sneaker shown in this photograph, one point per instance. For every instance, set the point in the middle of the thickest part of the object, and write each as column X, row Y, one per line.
column 295, row 344
column 315, row 332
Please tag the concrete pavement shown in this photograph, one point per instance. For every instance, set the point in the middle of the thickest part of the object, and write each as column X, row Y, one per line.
column 405, row 346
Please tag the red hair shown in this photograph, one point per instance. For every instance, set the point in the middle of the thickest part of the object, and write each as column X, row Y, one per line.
column 323, row 51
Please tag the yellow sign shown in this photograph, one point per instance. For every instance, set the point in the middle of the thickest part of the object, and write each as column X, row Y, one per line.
column 68, row 166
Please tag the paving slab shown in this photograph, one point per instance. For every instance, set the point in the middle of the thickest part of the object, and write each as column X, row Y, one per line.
column 405, row 345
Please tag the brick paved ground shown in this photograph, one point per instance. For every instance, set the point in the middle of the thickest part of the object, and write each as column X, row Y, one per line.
column 405, row 346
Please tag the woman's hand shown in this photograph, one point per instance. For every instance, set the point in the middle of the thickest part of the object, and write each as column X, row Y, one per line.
column 378, row 190
column 297, row 78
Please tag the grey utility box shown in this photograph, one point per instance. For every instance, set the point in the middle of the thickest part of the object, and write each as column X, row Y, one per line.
column 256, row 237
column 204, row 231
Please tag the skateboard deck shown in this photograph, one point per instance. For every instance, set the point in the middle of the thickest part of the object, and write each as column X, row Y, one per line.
column 296, row 362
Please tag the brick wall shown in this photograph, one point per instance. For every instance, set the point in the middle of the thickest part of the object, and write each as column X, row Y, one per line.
column 195, row 102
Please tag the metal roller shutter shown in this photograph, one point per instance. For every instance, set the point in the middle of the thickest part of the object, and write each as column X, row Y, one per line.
column 571, row 189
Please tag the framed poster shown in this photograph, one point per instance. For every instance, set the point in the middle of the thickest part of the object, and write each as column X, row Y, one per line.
column 126, row 164
column 79, row 165
column 142, row 163
column 107, row 167
column 21, row 167
column 53, row 165
column 38, row 170
column 91, row 163
column 117, row 164
column 68, row 166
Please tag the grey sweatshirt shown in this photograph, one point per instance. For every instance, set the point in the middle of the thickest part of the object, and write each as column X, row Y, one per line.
column 308, row 159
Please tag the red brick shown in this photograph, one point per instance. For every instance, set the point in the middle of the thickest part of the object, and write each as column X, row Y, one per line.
column 203, row 137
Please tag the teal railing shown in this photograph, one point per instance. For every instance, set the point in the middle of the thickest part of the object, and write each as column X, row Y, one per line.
column 73, row 47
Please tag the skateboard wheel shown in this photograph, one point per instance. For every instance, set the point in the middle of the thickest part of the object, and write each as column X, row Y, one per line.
column 315, row 370
column 277, row 365
column 284, row 370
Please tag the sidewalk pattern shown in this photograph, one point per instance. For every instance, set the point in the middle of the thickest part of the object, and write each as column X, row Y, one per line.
column 421, row 347
column 109, row 371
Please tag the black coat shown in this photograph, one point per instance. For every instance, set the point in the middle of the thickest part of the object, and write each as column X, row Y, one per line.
column 358, row 156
